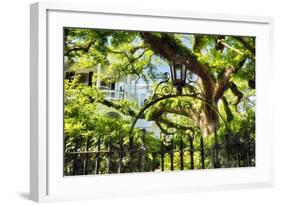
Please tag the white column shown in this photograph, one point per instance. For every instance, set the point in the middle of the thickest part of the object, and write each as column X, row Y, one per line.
column 98, row 75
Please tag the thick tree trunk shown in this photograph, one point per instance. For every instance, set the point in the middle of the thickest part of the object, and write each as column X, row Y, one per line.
column 209, row 120
column 167, row 47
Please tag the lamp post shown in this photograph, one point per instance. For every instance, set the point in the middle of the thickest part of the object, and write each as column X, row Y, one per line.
column 178, row 69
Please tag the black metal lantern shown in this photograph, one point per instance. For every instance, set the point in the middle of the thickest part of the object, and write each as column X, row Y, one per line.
column 178, row 67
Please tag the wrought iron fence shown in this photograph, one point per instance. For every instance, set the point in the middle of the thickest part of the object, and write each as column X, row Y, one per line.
column 120, row 159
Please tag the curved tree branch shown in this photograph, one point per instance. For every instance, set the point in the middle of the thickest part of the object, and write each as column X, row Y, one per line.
column 222, row 84
column 229, row 115
column 85, row 48
column 118, row 107
column 246, row 44
column 168, row 47
column 234, row 89
column 172, row 124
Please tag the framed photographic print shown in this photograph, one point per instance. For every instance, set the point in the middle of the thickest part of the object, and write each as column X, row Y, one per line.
column 128, row 102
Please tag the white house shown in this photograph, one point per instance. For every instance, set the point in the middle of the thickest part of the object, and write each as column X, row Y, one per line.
column 129, row 88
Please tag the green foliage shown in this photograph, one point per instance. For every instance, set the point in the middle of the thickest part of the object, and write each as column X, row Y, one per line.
column 90, row 119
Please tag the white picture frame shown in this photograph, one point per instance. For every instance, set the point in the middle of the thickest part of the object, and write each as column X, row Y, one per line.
column 46, row 177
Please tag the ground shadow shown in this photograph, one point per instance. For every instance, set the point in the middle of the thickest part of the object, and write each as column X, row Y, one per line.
column 24, row 195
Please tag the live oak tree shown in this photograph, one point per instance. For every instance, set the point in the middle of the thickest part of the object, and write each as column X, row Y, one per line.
column 225, row 66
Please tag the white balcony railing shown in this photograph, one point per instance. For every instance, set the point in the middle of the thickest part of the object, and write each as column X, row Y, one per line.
column 118, row 95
